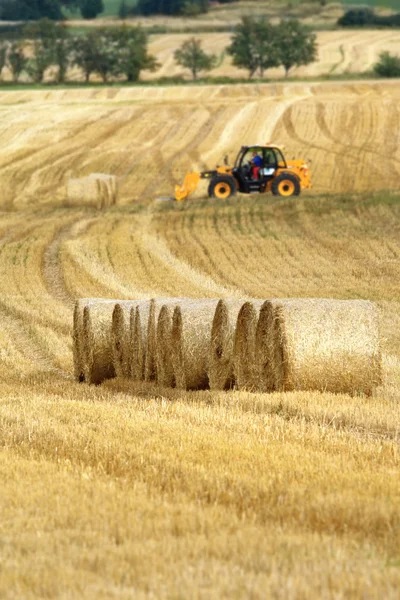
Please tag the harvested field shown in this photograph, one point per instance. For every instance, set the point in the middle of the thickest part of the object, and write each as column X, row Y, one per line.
column 149, row 138
column 130, row 488
column 339, row 51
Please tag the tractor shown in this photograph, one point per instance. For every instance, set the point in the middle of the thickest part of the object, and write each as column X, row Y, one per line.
column 258, row 169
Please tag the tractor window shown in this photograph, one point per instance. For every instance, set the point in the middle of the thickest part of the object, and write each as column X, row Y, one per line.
column 269, row 158
column 280, row 158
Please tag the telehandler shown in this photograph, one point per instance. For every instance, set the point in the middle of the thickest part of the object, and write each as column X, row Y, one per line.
column 258, row 169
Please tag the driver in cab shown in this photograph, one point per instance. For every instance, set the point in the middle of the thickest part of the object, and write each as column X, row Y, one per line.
column 256, row 163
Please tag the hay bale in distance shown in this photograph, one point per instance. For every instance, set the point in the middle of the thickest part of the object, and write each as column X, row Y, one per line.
column 327, row 345
column 191, row 332
column 98, row 189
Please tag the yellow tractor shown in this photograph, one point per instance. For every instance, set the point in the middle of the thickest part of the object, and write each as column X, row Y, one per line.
column 258, row 169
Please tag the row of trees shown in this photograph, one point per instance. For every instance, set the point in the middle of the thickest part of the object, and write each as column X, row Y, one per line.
column 256, row 46
column 29, row 10
column 122, row 51
column 32, row 10
column 117, row 52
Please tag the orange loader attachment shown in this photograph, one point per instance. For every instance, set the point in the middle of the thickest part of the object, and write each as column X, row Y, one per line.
column 189, row 185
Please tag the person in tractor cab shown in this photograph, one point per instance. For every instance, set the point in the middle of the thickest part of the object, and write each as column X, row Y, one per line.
column 256, row 163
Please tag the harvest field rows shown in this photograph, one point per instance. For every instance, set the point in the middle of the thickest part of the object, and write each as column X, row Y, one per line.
column 150, row 137
column 133, row 490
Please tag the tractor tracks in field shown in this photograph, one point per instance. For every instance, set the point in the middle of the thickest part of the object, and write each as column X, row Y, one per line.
column 23, row 339
column 52, row 271
column 190, row 149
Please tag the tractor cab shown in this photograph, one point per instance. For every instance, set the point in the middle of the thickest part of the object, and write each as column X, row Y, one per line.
column 254, row 174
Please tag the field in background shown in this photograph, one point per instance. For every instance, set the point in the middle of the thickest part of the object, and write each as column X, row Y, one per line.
column 230, row 14
column 131, row 490
column 150, row 137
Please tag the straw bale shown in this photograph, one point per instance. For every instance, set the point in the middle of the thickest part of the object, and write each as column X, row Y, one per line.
column 97, row 342
column 150, row 364
column 191, row 333
column 244, row 352
column 143, row 337
column 220, row 368
column 327, row 345
column 136, row 346
column 265, row 347
column 120, row 337
column 98, row 189
column 77, row 339
column 165, row 372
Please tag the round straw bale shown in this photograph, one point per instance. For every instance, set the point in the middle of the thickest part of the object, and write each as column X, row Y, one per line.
column 327, row 345
column 165, row 372
column 150, row 364
column 143, row 337
column 97, row 344
column 191, row 334
column 265, row 347
column 136, row 347
column 98, row 189
column 220, row 366
column 77, row 339
column 120, row 330
column 244, row 352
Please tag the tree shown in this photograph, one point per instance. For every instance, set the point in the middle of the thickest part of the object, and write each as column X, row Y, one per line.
column 254, row 46
column 388, row 65
column 41, row 60
column 357, row 17
column 49, row 43
column 171, row 7
column 297, row 45
column 16, row 60
column 91, row 8
column 62, row 54
column 3, row 56
column 130, row 47
column 123, row 10
column 85, row 53
column 191, row 56
column 30, row 10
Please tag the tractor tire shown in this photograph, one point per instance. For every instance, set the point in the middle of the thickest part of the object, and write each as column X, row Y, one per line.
column 286, row 184
column 222, row 187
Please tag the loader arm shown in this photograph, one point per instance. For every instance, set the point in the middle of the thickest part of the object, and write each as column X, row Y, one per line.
column 189, row 185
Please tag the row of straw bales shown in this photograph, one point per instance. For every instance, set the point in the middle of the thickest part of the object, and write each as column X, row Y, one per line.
column 261, row 345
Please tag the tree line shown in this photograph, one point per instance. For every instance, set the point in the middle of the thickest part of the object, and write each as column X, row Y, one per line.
column 107, row 52
column 33, row 10
column 29, row 10
column 122, row 52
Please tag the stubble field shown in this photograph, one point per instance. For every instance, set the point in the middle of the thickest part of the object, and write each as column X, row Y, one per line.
column 131, row 490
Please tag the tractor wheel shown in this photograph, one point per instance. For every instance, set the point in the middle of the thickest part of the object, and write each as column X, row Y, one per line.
column 222, row 187
column 286, row 184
